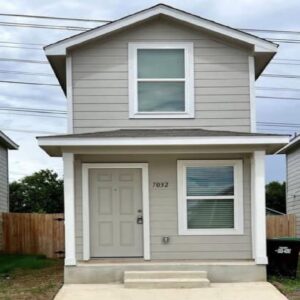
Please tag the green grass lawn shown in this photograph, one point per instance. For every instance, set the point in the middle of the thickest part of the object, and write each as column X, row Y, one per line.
column 29, row 277
column 11, row 262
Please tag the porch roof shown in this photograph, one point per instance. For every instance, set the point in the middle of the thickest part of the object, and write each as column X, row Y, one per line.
column 161, row 137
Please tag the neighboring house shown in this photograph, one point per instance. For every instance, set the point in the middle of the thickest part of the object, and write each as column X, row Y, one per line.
column 5, row 144
column 162, row 163
column 292, row 151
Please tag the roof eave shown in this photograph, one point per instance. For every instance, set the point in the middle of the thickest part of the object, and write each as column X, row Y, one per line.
column 7, row 142
column 54, row 146
column 293, row 144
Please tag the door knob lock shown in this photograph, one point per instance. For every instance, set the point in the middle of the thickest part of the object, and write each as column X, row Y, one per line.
column 139, row 220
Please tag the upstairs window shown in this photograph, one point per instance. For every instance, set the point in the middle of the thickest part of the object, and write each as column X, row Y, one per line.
column 161, row 80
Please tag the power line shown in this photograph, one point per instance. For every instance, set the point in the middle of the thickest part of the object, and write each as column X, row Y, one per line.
column 44, row 26
column 108, row 21
column 29, row 131
column 54, row 18
column 38, row 110
column 26, row 73
column 279, row 124
column 277, row 88
column 24, row 60
column 20, row 47
column 19, row 43
column 286, row 59
column 271, row 31
column 285, row 63
column 285, row 131
column 279, row 98
column 77, row 28
column 46, row 62
column 54, row 84
column 30, row 83
column 31, row 115
column 279, row 75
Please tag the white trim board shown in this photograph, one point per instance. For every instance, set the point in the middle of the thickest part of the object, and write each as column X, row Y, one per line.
column 163, row 141
column 188, row 80
column 69, row 92
column 260, row 45
column 86, row 209
column 238, row 197
column 69, row 203
column 258, row 208
column 251, row 62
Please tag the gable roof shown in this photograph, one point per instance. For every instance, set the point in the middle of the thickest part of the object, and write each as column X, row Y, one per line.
column 60, row 47
column 7, row 142
column 264, row 50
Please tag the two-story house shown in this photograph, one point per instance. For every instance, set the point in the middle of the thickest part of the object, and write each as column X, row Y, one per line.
column 163, row 169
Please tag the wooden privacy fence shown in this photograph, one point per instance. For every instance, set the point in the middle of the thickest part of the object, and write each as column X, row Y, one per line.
column 281, row 226
column 32, row 233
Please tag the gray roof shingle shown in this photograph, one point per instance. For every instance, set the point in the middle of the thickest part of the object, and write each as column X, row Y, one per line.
column 136, row 133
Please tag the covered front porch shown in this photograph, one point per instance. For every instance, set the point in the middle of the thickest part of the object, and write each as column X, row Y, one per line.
column 105, row 176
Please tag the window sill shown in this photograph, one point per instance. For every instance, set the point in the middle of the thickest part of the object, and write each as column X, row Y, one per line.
column 236, row 231
column 162, row 116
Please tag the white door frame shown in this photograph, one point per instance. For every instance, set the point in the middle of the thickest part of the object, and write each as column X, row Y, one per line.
column 86, row 206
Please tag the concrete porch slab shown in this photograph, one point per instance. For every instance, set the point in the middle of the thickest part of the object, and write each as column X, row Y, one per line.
column 104, row 272
column 217, row 291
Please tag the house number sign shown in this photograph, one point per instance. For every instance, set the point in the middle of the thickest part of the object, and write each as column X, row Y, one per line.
column 160, row 184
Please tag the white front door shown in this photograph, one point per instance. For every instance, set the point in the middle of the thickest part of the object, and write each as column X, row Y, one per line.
column 116, row 213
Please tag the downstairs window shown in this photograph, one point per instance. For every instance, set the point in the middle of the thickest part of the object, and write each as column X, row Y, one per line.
column 210, row 197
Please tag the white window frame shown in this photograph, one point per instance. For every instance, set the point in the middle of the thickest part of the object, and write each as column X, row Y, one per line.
column 238, row 197
column 133, row 80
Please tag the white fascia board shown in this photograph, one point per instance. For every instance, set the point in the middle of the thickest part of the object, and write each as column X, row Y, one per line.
column 163, row 141
column 260, row 45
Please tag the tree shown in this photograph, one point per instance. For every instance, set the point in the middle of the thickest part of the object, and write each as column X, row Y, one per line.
column 275, row 196
column 41, row 192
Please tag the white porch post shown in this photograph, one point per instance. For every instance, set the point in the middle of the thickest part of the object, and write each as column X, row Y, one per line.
column 70, row 257
column 258, row 207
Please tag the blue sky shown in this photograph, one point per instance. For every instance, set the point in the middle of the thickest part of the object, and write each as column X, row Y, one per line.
column 271, row 14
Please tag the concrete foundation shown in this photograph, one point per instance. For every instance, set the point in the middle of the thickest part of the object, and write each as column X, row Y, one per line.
column 243, row 271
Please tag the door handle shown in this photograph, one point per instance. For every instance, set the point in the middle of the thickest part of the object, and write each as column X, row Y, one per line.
column 139, row 220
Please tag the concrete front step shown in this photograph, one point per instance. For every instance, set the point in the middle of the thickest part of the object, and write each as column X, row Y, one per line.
column 165, row 279
column 164, row 274
column 166, row 283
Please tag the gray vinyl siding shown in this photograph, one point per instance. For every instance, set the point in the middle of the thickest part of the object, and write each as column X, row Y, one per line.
column 293, row 186
column 100, row 80
column 3, row 179
column 163, row 210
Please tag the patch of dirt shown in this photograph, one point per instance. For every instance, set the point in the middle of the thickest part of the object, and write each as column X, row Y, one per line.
column 41, row 284
column 293, row 295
